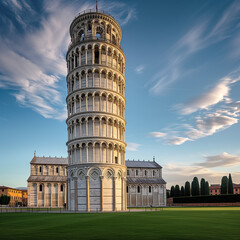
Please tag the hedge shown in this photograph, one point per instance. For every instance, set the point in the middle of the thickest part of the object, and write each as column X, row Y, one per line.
column 4, row 200
column 208, row 199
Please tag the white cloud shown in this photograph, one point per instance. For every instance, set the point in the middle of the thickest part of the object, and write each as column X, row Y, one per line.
column 223, row 160
column 34, row 66
column 139, row 69
column 157, row 134
column 215, row 95
column 197, row 38
column 132, row 146
column 180, row 173
column 177, row 140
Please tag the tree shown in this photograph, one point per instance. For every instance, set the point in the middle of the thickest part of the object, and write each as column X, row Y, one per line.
column 224, row 185
column 168, row 194
column 182, row 191
column 230, row 184
column 172, row 191
column 177, row 191
column 187, row 189
column 203, row 191
column 4, row 200
column 206, row 188
column 195, row 187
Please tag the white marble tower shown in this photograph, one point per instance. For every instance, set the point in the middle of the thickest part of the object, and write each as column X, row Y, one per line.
column 96, row 106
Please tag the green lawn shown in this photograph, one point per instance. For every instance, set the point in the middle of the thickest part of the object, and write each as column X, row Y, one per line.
column 171, row 223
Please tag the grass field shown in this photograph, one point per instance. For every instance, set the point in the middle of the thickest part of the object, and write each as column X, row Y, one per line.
column 171, row 223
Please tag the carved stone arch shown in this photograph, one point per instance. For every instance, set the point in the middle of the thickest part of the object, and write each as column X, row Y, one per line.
column 81, row 173
column 108, row 172
column 94, row 170
column 97, row 142
column 97, row 116
column 83, row 95
column 83, row 48
column 89, row 46
column 103, row 71
column 96, row 93
column 82, row 119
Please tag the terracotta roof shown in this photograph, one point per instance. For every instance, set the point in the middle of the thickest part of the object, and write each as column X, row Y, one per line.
column 49, row 160
column 47, row 179
column 10, row 188
column 140, row 180
column 142, row 164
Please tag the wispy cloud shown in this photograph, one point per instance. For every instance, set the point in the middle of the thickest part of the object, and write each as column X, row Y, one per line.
column 208, row 169
column 209, row 113
column 197, row 38
column 35, row 66
column 132, row 146
column 139, row 69
column 223, row 160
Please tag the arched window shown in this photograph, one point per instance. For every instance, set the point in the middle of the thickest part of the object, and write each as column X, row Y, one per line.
column 116, row 159
column 145, row 172
column 153, row 173
column 138, row 189
column 57, row 171
column 62, row 188
column 128, row 172
column 81, row 35
column 150, row 189
column 96, row 54
column 40, row 187
column 136, row 172
column 40, row 169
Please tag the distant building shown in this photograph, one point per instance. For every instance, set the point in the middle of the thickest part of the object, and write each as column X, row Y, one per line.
column 18, row 197
column 145, row 185
column 236, row 188
column 215, row 189
column 47, row 182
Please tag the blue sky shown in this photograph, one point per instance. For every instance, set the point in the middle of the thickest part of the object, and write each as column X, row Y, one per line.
column 182, row 91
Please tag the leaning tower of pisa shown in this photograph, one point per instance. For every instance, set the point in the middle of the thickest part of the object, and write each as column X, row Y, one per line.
column 96, row 106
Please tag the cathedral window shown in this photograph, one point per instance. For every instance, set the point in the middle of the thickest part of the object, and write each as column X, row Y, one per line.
column 57, row 170
column 136, row 172
column 40, row 187
column 128, row 172
column 138, row 189
column 116, row 159
column 40, row 169
column 62, row 188
column 150, row 189
column 145, row 172
column 153, row 173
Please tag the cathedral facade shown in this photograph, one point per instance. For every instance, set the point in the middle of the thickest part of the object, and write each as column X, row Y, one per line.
column 47, row 184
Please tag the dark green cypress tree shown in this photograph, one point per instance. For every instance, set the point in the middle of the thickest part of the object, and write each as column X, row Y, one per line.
column 203, row 191
column 168, row 194
column 195, row 187
column 206, row 188
column 172, row 191
column 182, row 191
column 187, row 189
column 224, row 185
column 230, row 184
column 177, row 191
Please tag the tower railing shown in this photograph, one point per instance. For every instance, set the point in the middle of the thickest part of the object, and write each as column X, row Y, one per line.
column 93, row 11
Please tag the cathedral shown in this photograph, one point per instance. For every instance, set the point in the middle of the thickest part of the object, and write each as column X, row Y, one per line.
column 95, row 175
